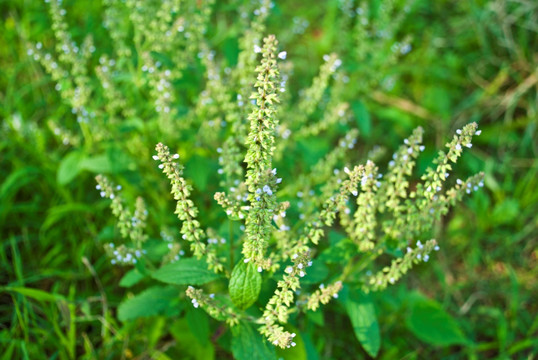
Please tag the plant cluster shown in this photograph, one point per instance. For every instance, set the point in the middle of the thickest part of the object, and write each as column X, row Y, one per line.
column 287, row 216
column 379, row 213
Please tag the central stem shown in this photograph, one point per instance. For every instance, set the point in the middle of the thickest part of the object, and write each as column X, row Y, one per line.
column 231, row 233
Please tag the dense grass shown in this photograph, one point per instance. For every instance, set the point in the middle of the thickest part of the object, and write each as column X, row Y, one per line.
column 470, row 61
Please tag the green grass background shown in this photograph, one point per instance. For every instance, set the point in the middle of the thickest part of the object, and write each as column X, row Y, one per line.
column 470, row 61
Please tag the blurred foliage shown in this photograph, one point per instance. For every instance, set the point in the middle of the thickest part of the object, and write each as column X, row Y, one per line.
column 455, row 62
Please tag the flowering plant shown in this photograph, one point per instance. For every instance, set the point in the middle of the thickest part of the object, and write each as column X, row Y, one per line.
column 277, row 260
column 378, row 212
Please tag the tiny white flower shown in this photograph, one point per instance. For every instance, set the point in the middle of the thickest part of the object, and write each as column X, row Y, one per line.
column 458, row 131
column 422, row 147
column 257, row 49
column 260, row 269
column 458, row 147
column 246, row 261
column 282, row 55
column 478, row 132
column 346, row 170
column 289, row 270
column 267, row 190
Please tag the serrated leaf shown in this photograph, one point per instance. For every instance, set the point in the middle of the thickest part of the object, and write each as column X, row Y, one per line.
column 248, row 344
column 153, row 301
column 131, row 278
column 430, row 323
column 245, row 285
column 361, row 312
column 185, row 272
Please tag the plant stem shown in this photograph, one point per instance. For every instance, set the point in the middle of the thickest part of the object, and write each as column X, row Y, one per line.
column 231, row 233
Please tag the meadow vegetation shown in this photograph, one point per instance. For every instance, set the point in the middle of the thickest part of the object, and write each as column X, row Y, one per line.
column 255, row 179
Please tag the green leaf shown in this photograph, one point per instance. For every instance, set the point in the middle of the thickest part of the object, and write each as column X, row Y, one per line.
column 131, row 278
column 363, row 117
column 316, row 273
column 187, row 345
column 338, row 253
column 297, row 352
column 199, row 169
column 248, row 344
column 361, row 312
column 97, row 164
column 36, row 294
column 69, row 167
column 185, row 272
column 198, row 324
column 245, row 285
column 153, row 301
column 430, row 323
